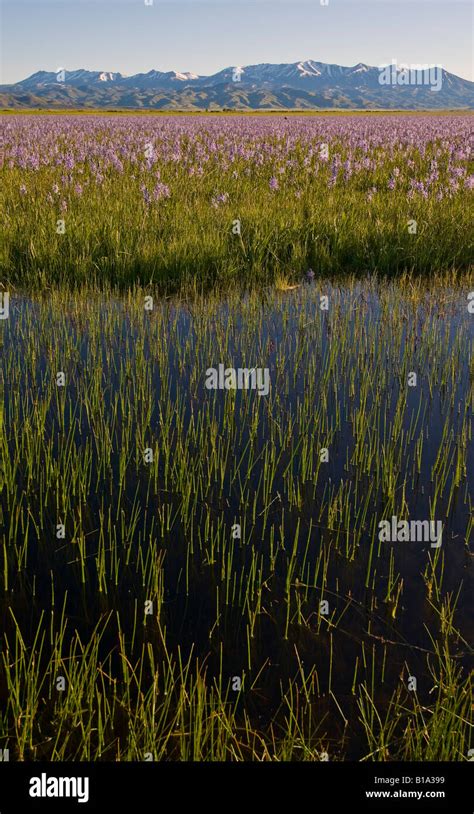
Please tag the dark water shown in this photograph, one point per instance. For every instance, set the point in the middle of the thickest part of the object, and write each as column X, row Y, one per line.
column 368, row 332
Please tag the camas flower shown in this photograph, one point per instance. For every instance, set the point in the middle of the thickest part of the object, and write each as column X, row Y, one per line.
column 161, row 191
column 220, row 199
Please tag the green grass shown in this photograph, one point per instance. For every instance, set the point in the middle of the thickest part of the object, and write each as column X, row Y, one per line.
column 113, row 238
column 223, row 606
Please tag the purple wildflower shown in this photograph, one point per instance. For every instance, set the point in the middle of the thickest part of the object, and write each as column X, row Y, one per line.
column 161, row 191
column 220, row 199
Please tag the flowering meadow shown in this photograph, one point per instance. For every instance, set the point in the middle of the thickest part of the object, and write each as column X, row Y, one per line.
column 180, row 199
column 236, row 482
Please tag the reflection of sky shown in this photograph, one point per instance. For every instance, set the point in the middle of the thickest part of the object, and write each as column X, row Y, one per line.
column 291, row 336
column 204, row 37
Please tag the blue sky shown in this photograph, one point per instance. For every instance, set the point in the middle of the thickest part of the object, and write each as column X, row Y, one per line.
column 203, row 37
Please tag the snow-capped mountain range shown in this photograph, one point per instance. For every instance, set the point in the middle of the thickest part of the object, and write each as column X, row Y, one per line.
column 300, row 85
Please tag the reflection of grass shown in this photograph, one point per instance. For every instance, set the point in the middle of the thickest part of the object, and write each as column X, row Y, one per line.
column 430, row 732
column 145, row 703
column 224, row 605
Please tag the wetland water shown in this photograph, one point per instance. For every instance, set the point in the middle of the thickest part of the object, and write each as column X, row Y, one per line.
column 250, row 522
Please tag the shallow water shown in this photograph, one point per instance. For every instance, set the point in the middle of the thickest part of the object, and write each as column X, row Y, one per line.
column 319, row 364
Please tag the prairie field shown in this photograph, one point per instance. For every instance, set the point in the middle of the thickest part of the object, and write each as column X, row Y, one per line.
column 205, row 201
column 237, row 366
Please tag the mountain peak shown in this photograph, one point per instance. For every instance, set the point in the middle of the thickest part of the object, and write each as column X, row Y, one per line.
column 305, row 84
